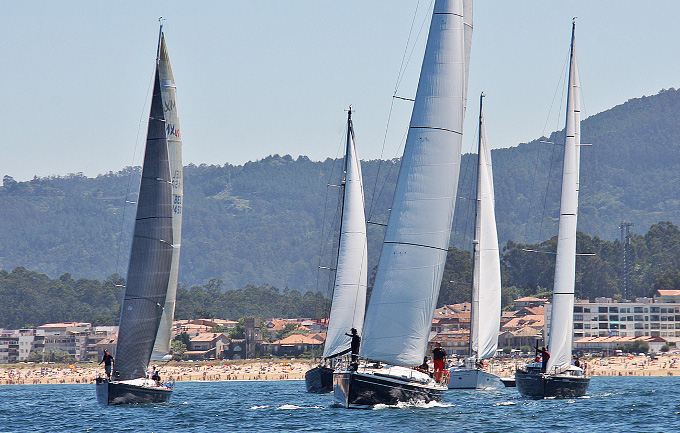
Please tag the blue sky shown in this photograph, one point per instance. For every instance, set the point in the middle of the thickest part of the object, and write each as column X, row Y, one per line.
column 257, row 78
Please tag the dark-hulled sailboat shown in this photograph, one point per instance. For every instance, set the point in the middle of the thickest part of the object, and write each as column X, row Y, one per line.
column 150, row 259
column 561, row 379
column 401, row 308
column 349, row 289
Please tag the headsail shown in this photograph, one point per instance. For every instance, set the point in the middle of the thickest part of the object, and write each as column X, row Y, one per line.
column 486, row 286
column 562, row 319
column 349, row 292
column 169, row 100
column 404, row 296
column 151, row 255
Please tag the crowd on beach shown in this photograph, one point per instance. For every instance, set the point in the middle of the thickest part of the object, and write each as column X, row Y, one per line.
column 33, row 374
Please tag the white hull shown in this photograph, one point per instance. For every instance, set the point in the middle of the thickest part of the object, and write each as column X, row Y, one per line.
column 465, row 378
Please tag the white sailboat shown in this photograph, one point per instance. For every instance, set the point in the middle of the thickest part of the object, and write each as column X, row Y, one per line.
column 151, row 263
column 486, row 284
column 349, row 290
column 559, row 378
column 401, row 308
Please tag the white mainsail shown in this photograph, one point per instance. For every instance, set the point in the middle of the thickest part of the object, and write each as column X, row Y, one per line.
column 486, row 285
column 349, row 292
column 404, row 296
column 467, row 32
column 161, row 346
column 562, row 318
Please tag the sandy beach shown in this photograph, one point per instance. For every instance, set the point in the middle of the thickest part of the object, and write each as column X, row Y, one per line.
column 35, row 374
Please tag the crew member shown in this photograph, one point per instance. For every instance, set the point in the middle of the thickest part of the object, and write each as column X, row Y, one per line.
column 108, row 362
column 545, row 356
column 439, row 359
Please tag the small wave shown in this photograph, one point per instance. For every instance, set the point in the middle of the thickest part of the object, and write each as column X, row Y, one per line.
column 409, row 405
column 293, row 406
column 506, row 403
column 259, row 407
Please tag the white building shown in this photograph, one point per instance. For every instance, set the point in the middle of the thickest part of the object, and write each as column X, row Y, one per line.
column 646, row 317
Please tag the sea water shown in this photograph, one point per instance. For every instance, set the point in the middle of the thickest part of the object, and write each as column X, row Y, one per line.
column 613, row 404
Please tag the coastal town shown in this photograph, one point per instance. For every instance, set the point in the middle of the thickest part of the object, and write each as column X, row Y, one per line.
column 276, row 349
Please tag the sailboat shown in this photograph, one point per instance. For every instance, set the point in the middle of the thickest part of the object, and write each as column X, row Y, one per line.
column 486, row 280
column 560, row 378
column 349, row 290
column 401, row 307
column 151, row 259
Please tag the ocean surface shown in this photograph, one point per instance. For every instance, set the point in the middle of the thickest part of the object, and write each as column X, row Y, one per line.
column 613, row 404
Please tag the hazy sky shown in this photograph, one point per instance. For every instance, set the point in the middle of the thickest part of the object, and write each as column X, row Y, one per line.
column 265, row 77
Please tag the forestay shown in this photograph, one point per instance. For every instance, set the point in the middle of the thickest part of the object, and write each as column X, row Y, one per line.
column 404, row 296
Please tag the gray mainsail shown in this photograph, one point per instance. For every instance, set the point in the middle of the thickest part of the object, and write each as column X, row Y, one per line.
column 152, row 251
column 161, row 348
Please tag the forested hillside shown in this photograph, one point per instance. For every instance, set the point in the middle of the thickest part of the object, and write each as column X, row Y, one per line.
column 30, row 298
column 270, row 221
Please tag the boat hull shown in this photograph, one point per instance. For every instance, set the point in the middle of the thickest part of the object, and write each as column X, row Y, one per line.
column 114, row 393
column 354, row 389
column 509, row 382
column 465, row 378
column 537, row 385
column 319, row 379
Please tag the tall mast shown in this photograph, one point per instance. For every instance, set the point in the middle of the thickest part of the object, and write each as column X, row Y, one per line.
column 562, row 319
column 474, row 305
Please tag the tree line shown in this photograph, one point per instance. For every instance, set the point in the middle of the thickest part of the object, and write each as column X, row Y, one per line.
column 30, row 298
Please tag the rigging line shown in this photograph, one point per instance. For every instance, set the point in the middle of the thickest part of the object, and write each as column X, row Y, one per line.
column 132, row 165
column 413, row 47
column 561, row 84
column 400, row 75
column 468, row 174
column 402, row 67
column 323, row 235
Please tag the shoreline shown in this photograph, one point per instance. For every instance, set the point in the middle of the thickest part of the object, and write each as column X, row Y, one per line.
column 295, row 369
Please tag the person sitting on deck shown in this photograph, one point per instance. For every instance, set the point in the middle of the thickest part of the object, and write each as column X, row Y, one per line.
column 154, row 374
column 424, row 367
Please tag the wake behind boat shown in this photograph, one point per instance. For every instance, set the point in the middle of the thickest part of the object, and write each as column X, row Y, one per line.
column 151, row 258
column 555, row 376
column 400, row 312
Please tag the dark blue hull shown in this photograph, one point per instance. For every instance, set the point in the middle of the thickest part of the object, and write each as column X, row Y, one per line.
column 363, row 390
column 536, row 385
column 113, row 393
column 319, row 379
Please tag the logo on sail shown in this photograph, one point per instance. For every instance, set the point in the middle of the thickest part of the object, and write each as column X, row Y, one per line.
column 169, row 105
column 171, row 131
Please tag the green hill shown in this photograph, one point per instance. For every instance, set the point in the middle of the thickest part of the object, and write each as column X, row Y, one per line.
column 269, row 221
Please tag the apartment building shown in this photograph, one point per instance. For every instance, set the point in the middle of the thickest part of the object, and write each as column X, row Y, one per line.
column 646, row 317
